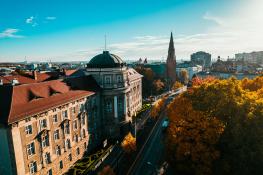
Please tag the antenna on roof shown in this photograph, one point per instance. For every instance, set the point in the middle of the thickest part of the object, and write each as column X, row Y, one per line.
column 105, row 42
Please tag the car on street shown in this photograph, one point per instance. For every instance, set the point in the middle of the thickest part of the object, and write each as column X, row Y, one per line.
column 165, row 123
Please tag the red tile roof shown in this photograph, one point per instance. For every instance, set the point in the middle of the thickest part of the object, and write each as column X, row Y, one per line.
column 21, row 79
column 30, row 99
column 28, row 77
column 69, row 72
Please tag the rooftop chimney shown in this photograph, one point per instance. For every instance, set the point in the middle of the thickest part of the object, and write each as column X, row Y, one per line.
column 14, row 82
column 34, row 73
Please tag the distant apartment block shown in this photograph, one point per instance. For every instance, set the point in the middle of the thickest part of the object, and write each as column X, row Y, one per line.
column 201, row 58
column 253, row 57
column 191, row 68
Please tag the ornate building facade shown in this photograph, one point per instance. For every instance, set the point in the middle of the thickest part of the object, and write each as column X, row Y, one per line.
column 171, row 63
column 45, row 127
column 121, row 94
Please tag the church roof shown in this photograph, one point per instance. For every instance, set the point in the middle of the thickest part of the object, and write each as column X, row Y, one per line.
column 106, row 60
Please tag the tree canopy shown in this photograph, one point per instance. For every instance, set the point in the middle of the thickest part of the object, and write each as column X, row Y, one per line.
column 129, row 143
column 216, row 128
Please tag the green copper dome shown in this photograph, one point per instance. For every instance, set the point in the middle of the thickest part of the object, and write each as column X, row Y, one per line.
column 106, row 60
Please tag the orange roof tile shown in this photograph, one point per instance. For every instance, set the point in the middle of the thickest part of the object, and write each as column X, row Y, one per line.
column 30, row 99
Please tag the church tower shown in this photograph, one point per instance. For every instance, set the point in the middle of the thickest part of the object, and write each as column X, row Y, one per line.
column 171, row 63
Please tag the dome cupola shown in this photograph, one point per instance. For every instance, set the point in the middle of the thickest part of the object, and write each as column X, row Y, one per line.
column 106, row 60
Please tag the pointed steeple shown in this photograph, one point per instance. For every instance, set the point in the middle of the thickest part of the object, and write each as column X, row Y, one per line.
column 171, row 63
column 171, row 44
column 171, row 50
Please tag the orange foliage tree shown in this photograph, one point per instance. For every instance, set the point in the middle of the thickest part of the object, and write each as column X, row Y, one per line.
column 157, row 107
column 158, row 85
column 197, row 81
column 177, row 85
column 192, row 137
column 184, row 76
column 129, row 143
column 226, row 116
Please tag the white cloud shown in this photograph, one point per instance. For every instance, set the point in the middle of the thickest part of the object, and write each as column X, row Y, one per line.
column 10, row 33
column 32, row 20
column 217, row 20
column 239, row 31
column 51, row 18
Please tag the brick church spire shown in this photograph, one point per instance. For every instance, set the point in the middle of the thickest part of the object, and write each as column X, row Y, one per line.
column 171, row 63
column 171, row 45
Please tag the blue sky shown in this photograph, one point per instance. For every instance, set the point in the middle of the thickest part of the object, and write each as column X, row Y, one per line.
column 66, row 30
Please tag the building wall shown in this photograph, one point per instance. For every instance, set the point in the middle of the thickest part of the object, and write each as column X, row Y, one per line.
column 158, row 68
column 253, row 57
column 120, row 97
column 7, row 165
column 79, row 138
column 135, row 96
column 201, row 58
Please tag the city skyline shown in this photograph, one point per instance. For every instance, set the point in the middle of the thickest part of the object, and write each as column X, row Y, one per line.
column 75, row 31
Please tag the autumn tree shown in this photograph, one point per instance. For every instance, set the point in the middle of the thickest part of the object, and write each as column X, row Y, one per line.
column 129, row 143
column 158, row 86
column 184, row 76
column 147, row 80
column 252, row 85
column 107, row 170
column 177, row 85
column 197, row 81
column 191, row 138
column 157, row 107
column 236, row 105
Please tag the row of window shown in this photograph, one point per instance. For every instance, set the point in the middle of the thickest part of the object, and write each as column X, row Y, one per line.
column 47, row 159
column 108, row 79
column 43, row 124
column 109, row 105
column 45, row 142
